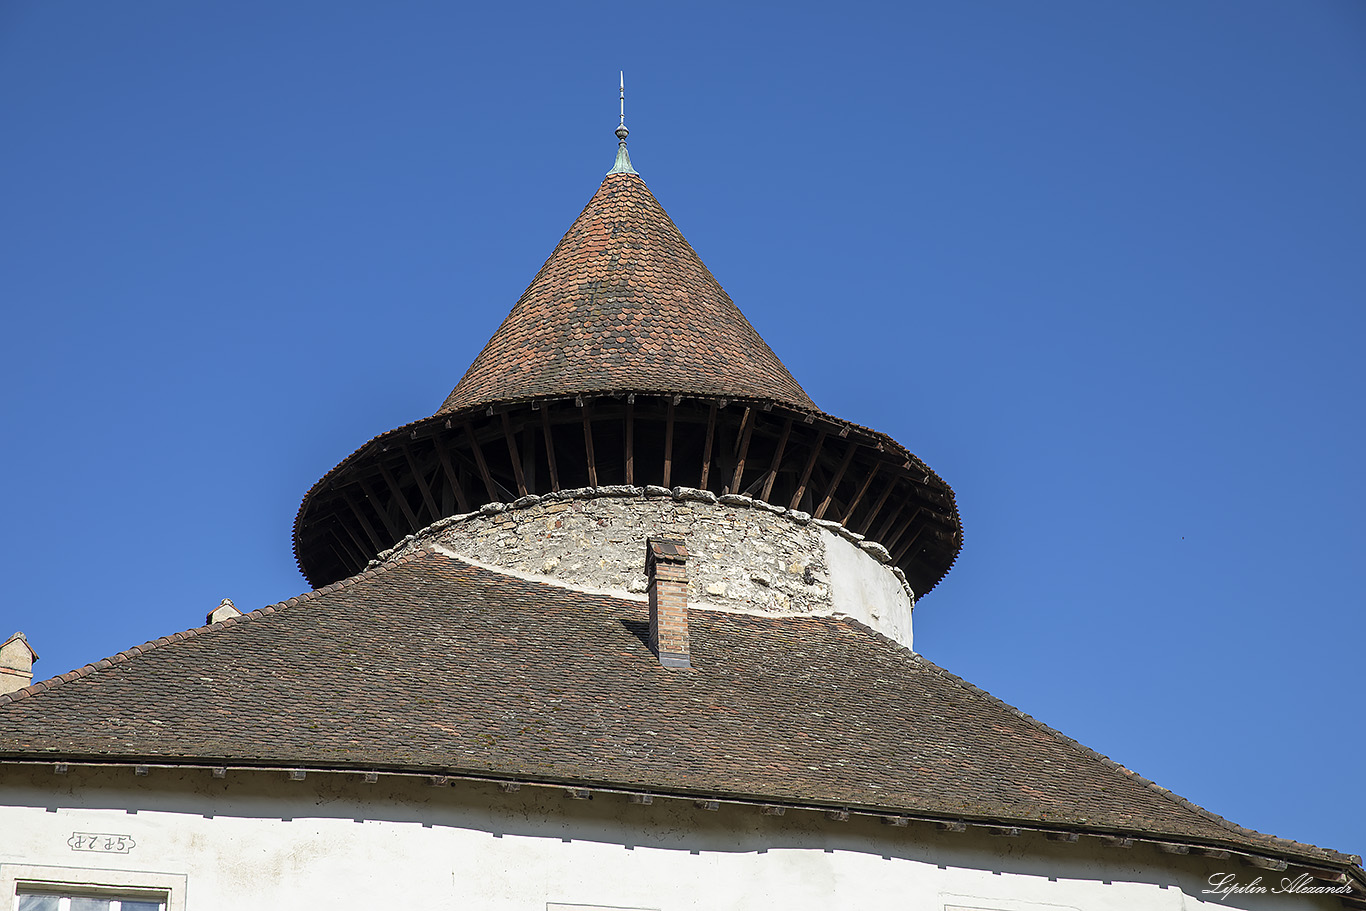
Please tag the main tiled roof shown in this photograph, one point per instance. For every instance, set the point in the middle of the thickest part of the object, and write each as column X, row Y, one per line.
column 624, row 304
column 432, row 665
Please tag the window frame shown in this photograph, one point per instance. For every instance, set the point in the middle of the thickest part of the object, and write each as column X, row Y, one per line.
column 94, row 882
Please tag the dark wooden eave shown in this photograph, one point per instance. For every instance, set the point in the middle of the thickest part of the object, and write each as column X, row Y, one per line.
column 404, row 480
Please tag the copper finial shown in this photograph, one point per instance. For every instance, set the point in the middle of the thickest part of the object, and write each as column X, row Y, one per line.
column 623, row 163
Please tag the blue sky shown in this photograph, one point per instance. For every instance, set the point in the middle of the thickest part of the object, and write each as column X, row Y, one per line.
column 1100, row 265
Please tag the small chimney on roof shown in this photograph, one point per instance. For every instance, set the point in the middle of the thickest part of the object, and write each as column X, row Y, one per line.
column 664, row 565
column 16, row 663
column 223, row 611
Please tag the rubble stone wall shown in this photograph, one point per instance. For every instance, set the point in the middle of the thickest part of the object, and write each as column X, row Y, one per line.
column 744, row 554
column 742, row 558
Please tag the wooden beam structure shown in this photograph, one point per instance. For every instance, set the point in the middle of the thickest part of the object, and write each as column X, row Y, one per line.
column 806, row 472
column 549, row 447
column 389, row 526
column 742, row 449
column 706, row 448
column 397, row 493
column 426, row 491
column 359, row 544
column 452, row 478
column 588, row 444
column 364, row 522
column 835, row 481
column 887, row 526
column 512, row 454
column 777, row 461
column 529, row 456
column 419, row 474
column 483, row 466
column 668, row 444
column 910, row 542
column 858, row 497
column 630, row 454
column 889, row 539
column 877, row 508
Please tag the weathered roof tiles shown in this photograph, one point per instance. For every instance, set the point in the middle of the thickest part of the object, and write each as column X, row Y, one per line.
column 624, row 303
column 433, row 665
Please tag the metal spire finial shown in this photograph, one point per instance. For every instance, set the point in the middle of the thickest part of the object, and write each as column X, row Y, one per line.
column 623, row 163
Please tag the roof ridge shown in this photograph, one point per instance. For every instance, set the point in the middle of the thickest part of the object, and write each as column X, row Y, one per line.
column 1128, row 773
column 135, row 651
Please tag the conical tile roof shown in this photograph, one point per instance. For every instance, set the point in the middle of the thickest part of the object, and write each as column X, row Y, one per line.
column 624, row 304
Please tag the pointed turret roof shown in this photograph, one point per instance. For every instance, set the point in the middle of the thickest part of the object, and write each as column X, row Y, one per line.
column 624, row 304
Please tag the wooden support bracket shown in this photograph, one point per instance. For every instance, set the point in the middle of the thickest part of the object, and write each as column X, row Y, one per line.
column 706, row 448
column 451, row 477
column 588, row 444
column 550, row 448
column 777, row 461
column 630, row 454
column 483, row 466
column 514, row 455
column 426, row 491
column 669, row 441
column 397, row 493
column 742, row 449
column 835, row 481
column 806, row 472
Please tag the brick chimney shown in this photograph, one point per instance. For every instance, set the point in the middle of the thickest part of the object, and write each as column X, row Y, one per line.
column 665, row 563
column 16, row 663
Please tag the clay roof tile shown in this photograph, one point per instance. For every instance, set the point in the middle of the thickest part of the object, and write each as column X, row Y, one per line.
column 623, row 262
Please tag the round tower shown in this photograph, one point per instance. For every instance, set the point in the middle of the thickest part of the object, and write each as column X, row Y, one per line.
column 625, row 395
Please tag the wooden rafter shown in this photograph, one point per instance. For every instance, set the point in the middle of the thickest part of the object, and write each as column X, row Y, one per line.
column 588, row 444
column 549, row 447
column 452, row 478
column 441, row 491
column 512, row 454
column 397, row 493
column 364, row 522
column 742, row 448
column 529, row 455
column 754, row 486
column 806, row 472
column 483, row 466
column 339, row 553
column 706, row 449
column 835, row 481
column 858, row 497
column 669, row 443
column 630, row 442
column 394, row 533
column 433, row 512
column 342, row 546
column 890, row 523
column 901, row 551
column 877, row 507
column 777, row 461
column 360, row 545
column 891, row 539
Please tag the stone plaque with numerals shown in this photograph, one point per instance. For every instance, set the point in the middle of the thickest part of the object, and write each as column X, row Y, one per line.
column 102, row 842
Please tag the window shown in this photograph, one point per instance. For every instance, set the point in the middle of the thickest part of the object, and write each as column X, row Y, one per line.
column 68, row 901
column 25, row 887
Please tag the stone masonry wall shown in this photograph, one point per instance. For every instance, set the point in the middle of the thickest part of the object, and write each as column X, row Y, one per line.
column 745, row 554
column 745, row 558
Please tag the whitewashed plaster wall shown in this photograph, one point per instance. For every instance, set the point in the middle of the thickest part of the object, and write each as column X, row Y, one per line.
column 862, row 588
column 256, row 840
